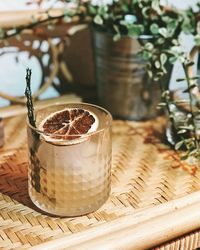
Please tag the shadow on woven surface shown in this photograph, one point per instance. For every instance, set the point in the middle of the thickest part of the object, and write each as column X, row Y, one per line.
column 14, row 177
column 145, row 173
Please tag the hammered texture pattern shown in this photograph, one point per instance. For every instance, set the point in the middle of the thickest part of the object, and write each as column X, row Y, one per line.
column 71, row 180
column 145, row 172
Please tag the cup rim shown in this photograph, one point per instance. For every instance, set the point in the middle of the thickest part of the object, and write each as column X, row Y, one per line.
column 37, row 130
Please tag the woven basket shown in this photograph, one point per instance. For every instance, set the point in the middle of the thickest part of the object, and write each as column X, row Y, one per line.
column 145, row 173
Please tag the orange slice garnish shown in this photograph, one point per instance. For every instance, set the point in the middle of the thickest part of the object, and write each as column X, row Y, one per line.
column 68, row 124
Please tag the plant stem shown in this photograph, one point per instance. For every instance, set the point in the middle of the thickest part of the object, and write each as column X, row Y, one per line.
column 191, row 105
column 32, row 25
column 166, row 100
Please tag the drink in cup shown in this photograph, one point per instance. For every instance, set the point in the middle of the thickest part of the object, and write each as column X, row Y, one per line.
column 70, row 158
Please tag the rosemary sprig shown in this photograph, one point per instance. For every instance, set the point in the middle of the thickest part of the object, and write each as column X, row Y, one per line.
column 29, row 101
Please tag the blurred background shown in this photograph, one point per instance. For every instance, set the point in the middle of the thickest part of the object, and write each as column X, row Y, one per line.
column 77, row 56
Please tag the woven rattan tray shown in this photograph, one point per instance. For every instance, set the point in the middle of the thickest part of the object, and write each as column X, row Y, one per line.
column 145, row 173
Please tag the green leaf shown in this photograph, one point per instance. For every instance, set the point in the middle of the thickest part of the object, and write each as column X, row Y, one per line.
column 165, row 93
column 181, row 101
column 190, row 127
column 171, row 27
column 190, row 140
column 161, row 41
column 103, row 10
column 182, row 131
column 163, row 58
column 92, row 9
column 2, row 33
column 125, row 8
column 98, row 20
column 116, row 37
column 148, row 46
column 189, row 64
column 156, row 6
column 194, row 152
column 184, row 157
column 135, row 30
column 161, row 73
column 163, row 32
column 116, row 28
column 197, row 40
column 146, row 55
column 179, row 145
column 155, row 78
column 180, row 79
column 194, row 78
column 162, row 105
column 154, row 28
column 172, row 60
column 145, row 12
column 192, row 86
column 157, row 64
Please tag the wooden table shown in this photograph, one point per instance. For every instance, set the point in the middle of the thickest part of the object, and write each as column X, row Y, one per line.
column 154, row 202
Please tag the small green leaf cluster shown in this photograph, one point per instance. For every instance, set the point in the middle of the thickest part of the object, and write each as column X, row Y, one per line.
column 138, row 18
column 184, row 116
column 191, row 24
column 157, row 27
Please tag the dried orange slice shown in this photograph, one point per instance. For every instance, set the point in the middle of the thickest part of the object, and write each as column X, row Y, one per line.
column 68, row 124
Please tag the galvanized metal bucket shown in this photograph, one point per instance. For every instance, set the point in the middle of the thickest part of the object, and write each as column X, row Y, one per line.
column 123, row 85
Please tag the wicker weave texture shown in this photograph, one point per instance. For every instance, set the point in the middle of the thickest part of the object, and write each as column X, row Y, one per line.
column 145, row 172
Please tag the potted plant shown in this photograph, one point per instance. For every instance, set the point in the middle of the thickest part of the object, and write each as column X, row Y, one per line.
column 154, row 30
column 130, row 39
column 183, row 131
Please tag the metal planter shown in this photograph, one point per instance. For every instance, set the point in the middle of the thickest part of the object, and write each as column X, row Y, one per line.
column 123, row 85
